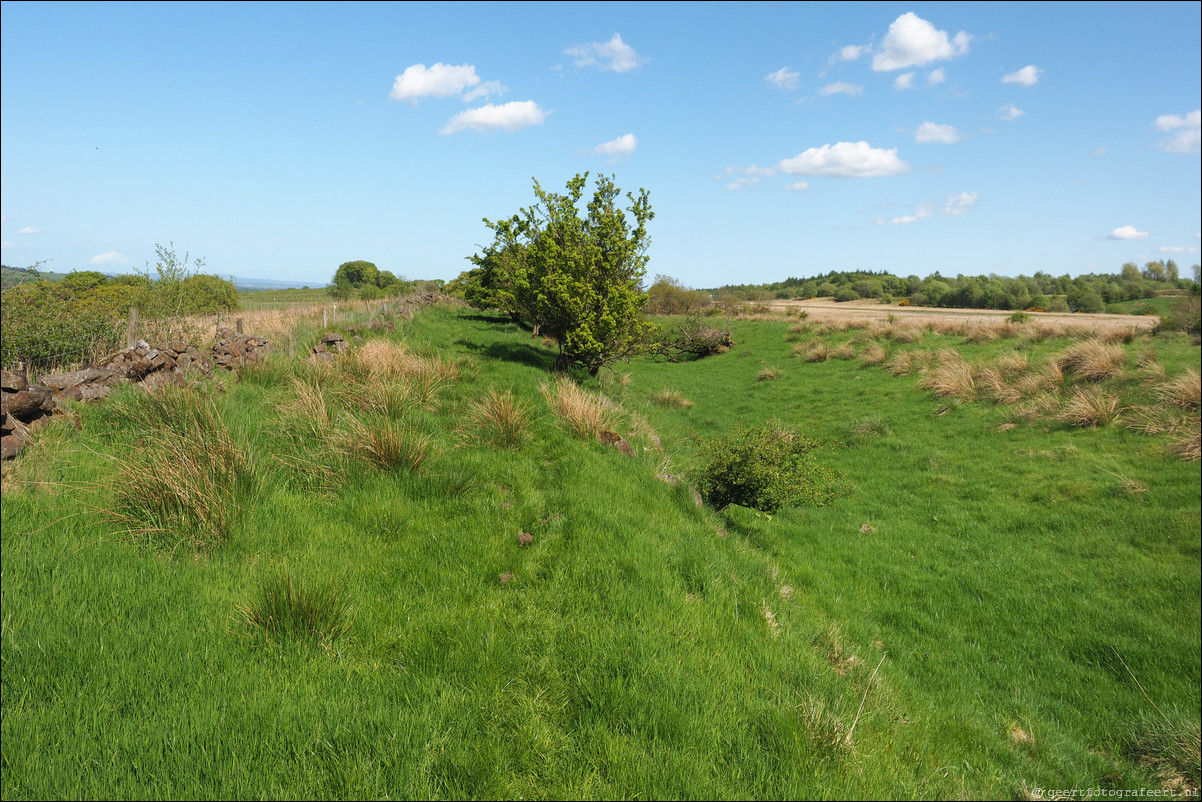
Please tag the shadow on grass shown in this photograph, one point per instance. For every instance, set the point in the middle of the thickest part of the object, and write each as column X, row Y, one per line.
column 521, row 353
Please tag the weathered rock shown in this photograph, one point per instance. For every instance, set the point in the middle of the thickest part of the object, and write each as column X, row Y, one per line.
column 87, row 392
column 27, row 405
column 617, row 441
column 13, row 381
column 64, row 381
column 10, row 446
column 156, row 380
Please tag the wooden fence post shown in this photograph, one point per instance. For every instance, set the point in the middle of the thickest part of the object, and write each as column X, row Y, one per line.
column 238, row 324
column 325, row 318
column 131, row 329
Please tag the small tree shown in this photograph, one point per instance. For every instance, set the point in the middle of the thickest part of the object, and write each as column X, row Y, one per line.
column 578, row 279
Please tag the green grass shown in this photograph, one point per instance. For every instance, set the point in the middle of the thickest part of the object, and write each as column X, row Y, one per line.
column 970, row 580
column 278, row 299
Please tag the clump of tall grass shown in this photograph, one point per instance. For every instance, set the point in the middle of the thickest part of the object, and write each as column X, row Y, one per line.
column 1093, row 361
column 382, row 442
column 189, row 480
column 667, row 397
column 1114, row 336
column 867, row 427
column 768, row 374
column 1088, row 407
column 1184, row 390
column 581, row 413
column 812, row 351
column 284, row 611
column 844, row 351
column 500, row 419
column 874, row 354
column 950, row 376
column 981, row 333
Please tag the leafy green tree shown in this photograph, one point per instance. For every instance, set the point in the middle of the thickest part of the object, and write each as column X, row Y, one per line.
column 350, row 277
column 578, row 278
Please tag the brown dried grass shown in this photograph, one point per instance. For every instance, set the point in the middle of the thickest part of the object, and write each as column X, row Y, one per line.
column 1183, row 390
column 874, row 354
column 1094, row 361
column 845, row 351
column 581, row 413
column 1088, row 407
column 950, row 376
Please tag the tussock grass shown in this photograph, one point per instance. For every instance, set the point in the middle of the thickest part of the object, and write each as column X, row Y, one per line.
column 500, row 419
column 950, row 376
column 867, row 427
column 1088, row 407
column 873, row 354
column 382, row 442
column 581, row 413
column 1093, row 361
column 768, row 374
column 1184, row 390
column 845, row 351
column 667, row 397
column 284, row 611
column 981, row 333
column 1187, row 442
column 189, row 480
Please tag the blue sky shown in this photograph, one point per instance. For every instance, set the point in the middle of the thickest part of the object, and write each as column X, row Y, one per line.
column 279, row 140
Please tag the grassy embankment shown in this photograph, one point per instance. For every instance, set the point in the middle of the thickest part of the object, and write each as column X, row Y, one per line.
column 989, row 609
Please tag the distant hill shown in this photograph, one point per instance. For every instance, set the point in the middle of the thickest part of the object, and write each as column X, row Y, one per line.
column 12, row 276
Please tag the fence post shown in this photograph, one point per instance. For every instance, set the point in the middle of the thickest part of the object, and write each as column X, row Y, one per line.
column 325, row 319
column 131, row 329
column 238, row 324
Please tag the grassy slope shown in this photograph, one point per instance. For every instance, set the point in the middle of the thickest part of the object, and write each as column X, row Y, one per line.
column 638, row 650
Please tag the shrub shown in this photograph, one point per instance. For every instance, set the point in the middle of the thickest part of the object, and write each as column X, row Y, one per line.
column 847, row 294
column 765, row 468
column 1019, row 317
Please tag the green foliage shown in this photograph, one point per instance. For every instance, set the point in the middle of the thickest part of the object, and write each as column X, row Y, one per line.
column 178, row 288
column 765, row 467
column 577, row 279
column 284, row 611
column 667, row 296
column 847, row 294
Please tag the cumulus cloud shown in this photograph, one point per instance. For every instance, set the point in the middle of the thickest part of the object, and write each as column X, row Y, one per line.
column 6, row 245
column 441, row 80
column 930, row 132
column 110, row 258
column 845, row 160
column 783, row 79
column 30, row 230
column 617, row 148
column 512, row 116
column 798, row 186
column 613, row 55
column 913, row 42
column 841, row 88
column 1027, row 76
column 1186, row 132
column 959, row 204
column 1128, row 233
column 904, row 81
column 936, row 77
column 1178, row 249
column 1010, row 112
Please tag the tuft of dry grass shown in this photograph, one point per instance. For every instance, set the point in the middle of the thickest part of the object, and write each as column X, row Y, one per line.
column 1184, row 390
column 768, row 375
column 583, row 414
column 874, row 354
column 950, row 377
column 673, row 399
column 981, row 333
column 1088, row 407
column 1187, row 442
column 1117, row 335
column 1094, row 361
column 845, row 351
column 813, row 351
column 500, row 419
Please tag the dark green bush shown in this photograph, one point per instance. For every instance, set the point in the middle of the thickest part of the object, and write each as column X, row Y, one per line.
column 766, row 468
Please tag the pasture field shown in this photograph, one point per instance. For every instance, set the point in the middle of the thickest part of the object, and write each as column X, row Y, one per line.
column 417, row 572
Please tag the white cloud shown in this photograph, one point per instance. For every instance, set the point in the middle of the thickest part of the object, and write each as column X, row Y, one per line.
column 1100, row 152
column 6, row 245
column 852, row 52
column 30, row 230
column 617, row 148
column 904, row 81
column 930, row 132
column 909, row 218
column 959, row 204
column 841, row 88
column 936, row 77
column 441, row 80
column 845, row 160
column 783, row 79
column 1027, row 76
column 798, row 186
column 512, row 116
column 613, row 55
column 913, row 42
column 1178, row 249
column 1128, row 233
column 1187, row 132
column 110, row 258
column 1010, row 112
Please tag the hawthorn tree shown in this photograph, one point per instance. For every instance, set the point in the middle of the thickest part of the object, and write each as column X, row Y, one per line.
column 576, row 278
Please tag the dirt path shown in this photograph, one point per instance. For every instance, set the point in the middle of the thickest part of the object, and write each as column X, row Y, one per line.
column 822, row 309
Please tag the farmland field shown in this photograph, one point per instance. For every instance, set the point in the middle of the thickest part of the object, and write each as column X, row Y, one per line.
column 415, row 571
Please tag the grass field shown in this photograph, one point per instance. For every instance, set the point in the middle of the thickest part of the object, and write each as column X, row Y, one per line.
column 418, row 573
